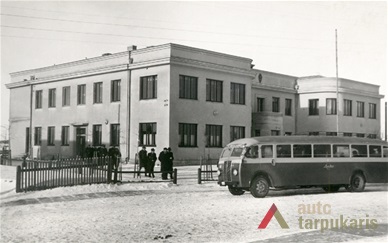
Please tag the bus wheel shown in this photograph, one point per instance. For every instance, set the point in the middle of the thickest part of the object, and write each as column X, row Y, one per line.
column 235, row 191
column 331, row 188
column 259, row 187
column 357, row 183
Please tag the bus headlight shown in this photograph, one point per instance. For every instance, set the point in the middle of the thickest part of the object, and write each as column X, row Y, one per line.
column 235, row 172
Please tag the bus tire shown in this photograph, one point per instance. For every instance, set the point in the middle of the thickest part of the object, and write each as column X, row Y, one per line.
column 357, row 183
column 331, row 188
column 236, row 191
column 259, row 187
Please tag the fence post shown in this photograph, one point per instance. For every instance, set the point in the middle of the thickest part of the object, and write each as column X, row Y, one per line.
column 175, row 176
column 199, row 176
column 18, row 178
column 109, row 169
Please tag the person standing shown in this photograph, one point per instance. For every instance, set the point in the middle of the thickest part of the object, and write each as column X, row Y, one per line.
column 170, row 162
column 143, row 157
column 163, row 158
column 151, row 162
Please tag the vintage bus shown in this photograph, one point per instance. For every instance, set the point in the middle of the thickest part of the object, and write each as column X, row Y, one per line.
column 260, row 163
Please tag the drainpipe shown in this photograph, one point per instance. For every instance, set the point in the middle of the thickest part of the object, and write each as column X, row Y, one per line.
column 31, row 153
column 128, row 117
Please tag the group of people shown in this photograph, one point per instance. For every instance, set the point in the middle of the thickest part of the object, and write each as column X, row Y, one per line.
column 102, row 151
column 148, row 160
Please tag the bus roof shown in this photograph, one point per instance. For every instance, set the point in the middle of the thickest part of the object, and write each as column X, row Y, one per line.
column 305, row 139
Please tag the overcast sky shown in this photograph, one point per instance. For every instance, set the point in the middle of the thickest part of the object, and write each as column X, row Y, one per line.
column 295, row 38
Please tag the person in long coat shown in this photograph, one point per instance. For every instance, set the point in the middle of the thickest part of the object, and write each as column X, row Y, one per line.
column 163, row 158
column 151, row 162
column 143, row 158
column 170, row 162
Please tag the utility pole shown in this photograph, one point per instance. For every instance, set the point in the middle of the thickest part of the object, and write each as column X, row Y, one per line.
column 385, row 121
column 336, row 73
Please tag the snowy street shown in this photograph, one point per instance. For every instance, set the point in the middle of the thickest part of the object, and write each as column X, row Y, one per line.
column 186, row 212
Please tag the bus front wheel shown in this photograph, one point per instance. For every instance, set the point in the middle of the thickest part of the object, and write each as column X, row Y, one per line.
column 357, row 183
column 235, row 191
column 259, row 187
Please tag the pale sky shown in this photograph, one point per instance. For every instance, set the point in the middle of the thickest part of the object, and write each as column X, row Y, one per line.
column 294, row 38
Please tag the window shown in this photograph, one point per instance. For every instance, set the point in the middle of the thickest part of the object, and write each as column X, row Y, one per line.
column 187, row 135
column 322, row 151
column 213, row 136
column 38, row 99
column 275, row 104
column 147, row 134
column 347, row 108
column 65, row 136
column 27, row 149
column 359, row 151
column 360, row 109
column 252, row 152
column 374, row 151
column 97, row 93
column 348, row 134
column 257, row 133
column 283, row 151
column 260, row 104
column 275, row 132
column 302, row 150
column 38, row 136
column 213, row 90
column 188, row 87
column 372, row 111
column 373, row 136
column 52, row 97
column 314, row 107
column 331, row 106
column 236, row 133
column 115, row 134
column 97, row 135
column 148, row 87
column 66, row 96
column 51, row 136
column 266, row 151
column 288, row 108
column 115, row 90
column 331, row 133
column 313, row 133
column 81, row 94
column 341, row 151
column 360, row 135
column 237, row 93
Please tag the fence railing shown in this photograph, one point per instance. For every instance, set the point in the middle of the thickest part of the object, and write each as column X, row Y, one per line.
column 206, row 175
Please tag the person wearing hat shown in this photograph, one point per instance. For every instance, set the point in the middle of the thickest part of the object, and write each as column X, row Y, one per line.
column 163, row 158
column 143, row 158
column 151, row 162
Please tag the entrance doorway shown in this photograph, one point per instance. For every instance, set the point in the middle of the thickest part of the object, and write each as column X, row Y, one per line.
column 80, row 141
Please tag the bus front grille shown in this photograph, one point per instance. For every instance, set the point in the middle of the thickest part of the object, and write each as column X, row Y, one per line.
column 227, row 171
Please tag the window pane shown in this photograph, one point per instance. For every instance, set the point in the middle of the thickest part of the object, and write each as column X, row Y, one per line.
column 266, row 151
column 359, row 151
column 322, row 150
column 302, row 150
column 341, row 151
column 283, row 151
column 374, row 151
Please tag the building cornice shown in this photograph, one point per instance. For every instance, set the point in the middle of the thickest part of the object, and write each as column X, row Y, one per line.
column 273, row 88
column 343, row 91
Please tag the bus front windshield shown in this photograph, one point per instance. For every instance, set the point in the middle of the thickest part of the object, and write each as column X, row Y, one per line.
column 232, row 152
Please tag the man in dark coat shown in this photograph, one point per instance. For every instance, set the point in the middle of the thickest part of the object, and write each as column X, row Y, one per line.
column 151, row 162
column 143, row 158
column 163, row 158
column 170, row 162
column 114, row 154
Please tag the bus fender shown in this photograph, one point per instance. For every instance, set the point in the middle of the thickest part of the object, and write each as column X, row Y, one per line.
column 261, row 173
column 358, row 171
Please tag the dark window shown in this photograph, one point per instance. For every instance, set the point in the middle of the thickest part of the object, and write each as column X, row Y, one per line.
column 283, row 151
column 275, row 132
column 341, row 151
column 360, row 109
column 360, row 135
column 302, row 151
column 236, row 133
column 266, row 151
column 97, row 135
column 38, row 99
column 257, row 133
column 97, row 93
column 252, row 152
column 148, row 87
column 213, row 136
column 188, row 87
column 359, row 151
column 288, row 108
column 81, row 94
column 115, row 90
column 347, row 108
column 147, row 134
column 322, row 151
column 66, row 96
column 237, row 93
column 275, row 104
column 374, row 151
column 313, row 133
column 373, row 136
column 372, row 111
column 348, row 134
column 331, row 106
column 38, row 136
column 314, row 107
column 331, row 133
column 187, row 135
column 213, row 90
column 65, row 136
column 115, row 134
column 51, row 136
column 27, row 149
column 260, row 104
column 52, row 97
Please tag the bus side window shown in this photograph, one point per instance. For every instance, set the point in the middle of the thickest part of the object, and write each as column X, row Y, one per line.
column 283, row 151
column 359, row 151
column 322, row 150
column 252, row 152
column 302, row 151
column 374, row 151
column 341, row 151
column 266, row 151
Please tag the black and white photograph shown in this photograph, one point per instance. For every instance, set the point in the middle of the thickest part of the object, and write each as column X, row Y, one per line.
column 193, row 121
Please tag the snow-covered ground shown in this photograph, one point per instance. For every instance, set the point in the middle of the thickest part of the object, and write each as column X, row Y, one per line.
column 186, row 212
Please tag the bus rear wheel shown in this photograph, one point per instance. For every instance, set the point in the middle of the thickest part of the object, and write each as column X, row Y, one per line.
column 236, row 191
column 357, row 183
column 331, row 188
column 259, row 187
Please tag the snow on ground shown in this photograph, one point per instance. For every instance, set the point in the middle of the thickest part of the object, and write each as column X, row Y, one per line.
column 160, row 211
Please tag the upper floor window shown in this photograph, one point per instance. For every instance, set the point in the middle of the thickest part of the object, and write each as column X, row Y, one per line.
column 237, row 93
column 260, row 104
column 188, row 87
column 147, row 134
column 66, row 96
column 275, row 104
column 52, row 97
column 148, row 87
column 347, row 107
column 360, row 109
column 236, row 132
column 81, row 94
column 213, row 135
column 331, row 106
column 51, row 136
column 187, row 135
column 97, row 93
column 213, row 90
column 288, row 108
column 314, row 107
column 115, row 90
column 38, row 99
column 372, row 111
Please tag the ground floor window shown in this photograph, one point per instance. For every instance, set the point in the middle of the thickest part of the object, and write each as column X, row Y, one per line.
column 236, row 133
column 97, row 135
column 187, row 135
column 147, row 134
column 213, row 136
column 51, row 136
column 38, row 136
column 65, row 136
column 275, row 132
column 115, row 134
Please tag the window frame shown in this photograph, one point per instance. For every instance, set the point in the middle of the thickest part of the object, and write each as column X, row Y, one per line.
column 66, row 96
column 98, row 93
column 237, row 93
column 348, row 107
column 65, row 132
column 188, row 87
column 213, row 134
column 37, row 136
column 38, row 99
column 51, row 136
column 360, row 109
column 239, row 131
column 190, row 130
column 372, row 111
column 149, row 137
column 331, row 106
column 81, row 94
column 214, row 90
column 313, row 107
column 275, row 104
column 115, row 90
column 148, row 87
column 52, row 98
column 97, row 135
column 288, row 107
